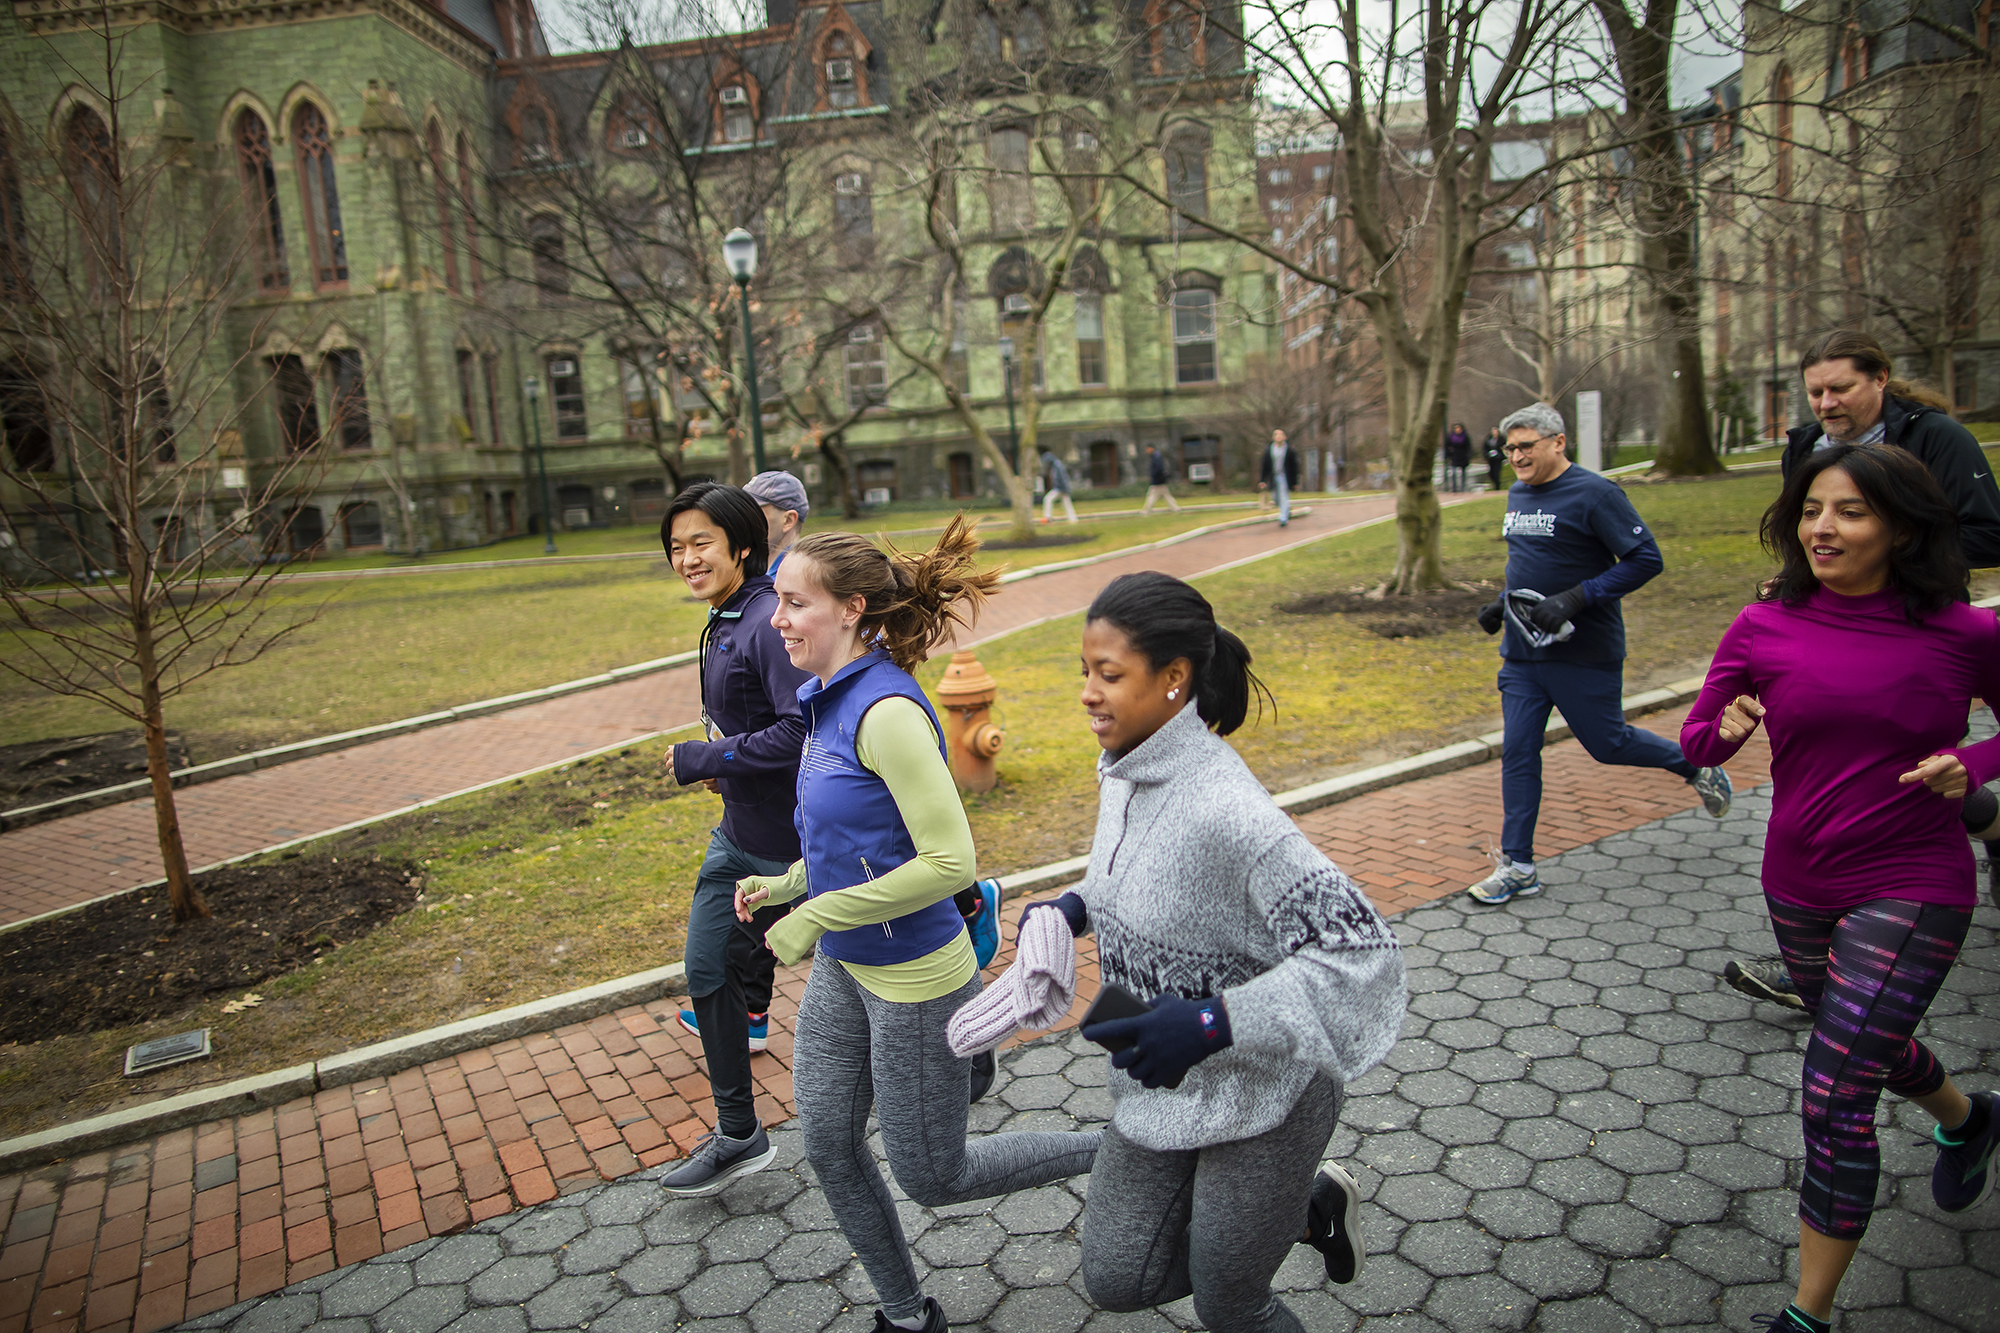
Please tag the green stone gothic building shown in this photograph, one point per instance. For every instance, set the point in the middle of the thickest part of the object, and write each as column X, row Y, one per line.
column 406, row 173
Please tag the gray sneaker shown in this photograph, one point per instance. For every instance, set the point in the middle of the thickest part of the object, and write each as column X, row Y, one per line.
column 717, row 1160
column 1505, row 883
column 1714, row 788
column 1764, row 979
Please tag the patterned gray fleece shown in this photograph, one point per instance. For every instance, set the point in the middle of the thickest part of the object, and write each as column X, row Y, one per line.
column 1199, row 885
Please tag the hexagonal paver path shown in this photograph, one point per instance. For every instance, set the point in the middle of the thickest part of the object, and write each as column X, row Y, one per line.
column 1579, row 1131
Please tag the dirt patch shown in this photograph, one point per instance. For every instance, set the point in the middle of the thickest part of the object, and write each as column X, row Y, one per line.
column 122, row 961
column 39, row 771
column 1419, row 616
column 1040, row 543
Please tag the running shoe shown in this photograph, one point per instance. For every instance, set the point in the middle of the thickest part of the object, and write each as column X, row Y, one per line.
column 933, row 1312
column 1993, row 872
column 1963, row 1176
column 1764, row 979
column 984, row 922
column 1714, row 788
column 1506, row 883
column 1791, row 1319
column 1333, row 1224
column 760, row 1029
column 717, row 1160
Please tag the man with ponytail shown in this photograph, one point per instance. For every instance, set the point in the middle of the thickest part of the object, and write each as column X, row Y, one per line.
column 886, row 850
column 1857, row 399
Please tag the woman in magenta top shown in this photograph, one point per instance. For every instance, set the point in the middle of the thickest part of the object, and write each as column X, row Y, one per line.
column 1862, row 661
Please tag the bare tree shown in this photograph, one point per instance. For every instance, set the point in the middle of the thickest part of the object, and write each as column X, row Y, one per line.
column 141, row 531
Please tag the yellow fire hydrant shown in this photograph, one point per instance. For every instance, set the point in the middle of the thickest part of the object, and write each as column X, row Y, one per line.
column 966, row 695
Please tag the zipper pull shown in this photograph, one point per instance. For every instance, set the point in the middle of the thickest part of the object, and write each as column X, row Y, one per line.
column 867, row 870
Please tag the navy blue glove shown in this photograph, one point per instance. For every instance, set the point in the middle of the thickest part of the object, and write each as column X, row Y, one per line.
column 1494, row 614
column 1175, row 1037
column 1549, row 614
column 1070, row 906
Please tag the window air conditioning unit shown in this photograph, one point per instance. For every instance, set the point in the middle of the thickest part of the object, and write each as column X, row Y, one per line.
column 735, row 95
column 1085, row 140
column 1201, row 472
column 861, row 333
column 848, row 182
column 876, row 495
column 1016, row 304
column 840, row 71
column 633, row 138
column 561, row 369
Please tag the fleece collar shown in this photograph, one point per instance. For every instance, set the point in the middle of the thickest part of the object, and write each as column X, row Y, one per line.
column 1167, row 754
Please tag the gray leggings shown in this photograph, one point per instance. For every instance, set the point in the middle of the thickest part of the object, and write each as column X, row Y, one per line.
column 1216, row 1221
column 854, row 1048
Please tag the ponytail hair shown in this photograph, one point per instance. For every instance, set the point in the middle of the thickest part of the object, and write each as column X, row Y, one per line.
column 913, row 601
column 1167, row 620
column 1869, row 358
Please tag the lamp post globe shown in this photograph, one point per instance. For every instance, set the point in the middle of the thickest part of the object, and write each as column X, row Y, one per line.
column 532, row 386
column 739, row 256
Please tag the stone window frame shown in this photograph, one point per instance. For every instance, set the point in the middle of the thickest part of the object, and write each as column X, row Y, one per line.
column 256, row 165
column 441, row 189
column 316, row 160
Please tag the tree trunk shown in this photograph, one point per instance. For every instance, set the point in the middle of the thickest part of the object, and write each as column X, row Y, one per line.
column 1419, row 518
column 185, row 899
column 835, row 454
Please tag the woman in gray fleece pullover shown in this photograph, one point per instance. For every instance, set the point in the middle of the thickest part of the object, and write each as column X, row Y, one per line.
column 1274, row 981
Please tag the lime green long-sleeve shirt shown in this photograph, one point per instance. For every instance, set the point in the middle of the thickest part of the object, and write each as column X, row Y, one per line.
column 899, row 745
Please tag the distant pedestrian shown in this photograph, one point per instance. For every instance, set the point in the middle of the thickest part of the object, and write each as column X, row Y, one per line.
column 1056, row 483
column 1457, row 455
column 749, row 754
column 1157, row 478
column 1495, row 450
column 1272, row 982
column 1278, row 473
column 783, row 499
column 1862, row 661
column 1856, row 400
column 886, row 848
column 1575, row 546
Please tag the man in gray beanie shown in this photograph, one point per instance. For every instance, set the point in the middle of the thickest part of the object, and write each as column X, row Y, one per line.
column 783, row 498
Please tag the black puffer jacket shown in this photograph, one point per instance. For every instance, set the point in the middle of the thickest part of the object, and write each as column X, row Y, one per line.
column 1952, row 455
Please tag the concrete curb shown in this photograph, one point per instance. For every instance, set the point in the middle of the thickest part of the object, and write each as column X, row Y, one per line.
column 345, row 740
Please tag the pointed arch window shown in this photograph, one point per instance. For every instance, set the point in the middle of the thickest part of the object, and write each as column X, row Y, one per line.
column 13, row 227
column 1187, row 176
column 465, row 201
column 1177, row 33
column 319, row 191
column 441, row 187
column 260, row 201
column 91, row 160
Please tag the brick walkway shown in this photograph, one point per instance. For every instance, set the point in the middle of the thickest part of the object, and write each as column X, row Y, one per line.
column 144, row 1236
column 68, row 861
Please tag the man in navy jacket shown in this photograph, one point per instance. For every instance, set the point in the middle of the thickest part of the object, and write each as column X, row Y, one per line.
column 716, row 537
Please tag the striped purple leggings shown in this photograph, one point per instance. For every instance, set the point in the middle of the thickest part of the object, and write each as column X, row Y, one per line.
column 1866, row 974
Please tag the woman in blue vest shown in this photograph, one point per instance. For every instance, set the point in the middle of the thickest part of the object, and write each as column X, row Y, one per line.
column 886, row 847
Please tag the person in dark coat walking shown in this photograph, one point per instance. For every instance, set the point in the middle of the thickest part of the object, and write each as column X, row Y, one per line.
column 1457, row 455
column 1495, row 450
column 1857, row 400
column 1279, row 473
column 1157, row 477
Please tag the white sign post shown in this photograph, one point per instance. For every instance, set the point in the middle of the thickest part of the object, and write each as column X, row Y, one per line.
column 1589, row 430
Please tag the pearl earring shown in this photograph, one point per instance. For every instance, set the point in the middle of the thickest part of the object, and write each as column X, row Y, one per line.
column 1174, row 693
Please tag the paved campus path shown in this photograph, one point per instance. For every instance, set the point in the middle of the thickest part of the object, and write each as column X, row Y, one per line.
column 68, row 861
column 1580, row 1130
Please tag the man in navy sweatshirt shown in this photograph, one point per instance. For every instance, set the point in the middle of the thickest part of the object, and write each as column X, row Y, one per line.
column 716, row 537
column 1575, row 546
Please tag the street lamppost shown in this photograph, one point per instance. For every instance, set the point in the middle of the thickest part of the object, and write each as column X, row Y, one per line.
column 534, row 388
column 739, row 254
column 1007, row 379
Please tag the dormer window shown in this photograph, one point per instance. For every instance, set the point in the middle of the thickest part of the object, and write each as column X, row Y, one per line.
column 738, row 124
column 840, row 90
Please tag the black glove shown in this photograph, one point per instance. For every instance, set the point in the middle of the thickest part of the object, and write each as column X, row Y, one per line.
column 1549, row 614
column 1069, row 905
column 1175, row 1037
column 1494, row 614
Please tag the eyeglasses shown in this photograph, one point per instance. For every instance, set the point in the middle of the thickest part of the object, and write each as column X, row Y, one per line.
column 1529, row 446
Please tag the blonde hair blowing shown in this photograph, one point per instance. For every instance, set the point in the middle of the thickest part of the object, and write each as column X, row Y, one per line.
column 913, row 601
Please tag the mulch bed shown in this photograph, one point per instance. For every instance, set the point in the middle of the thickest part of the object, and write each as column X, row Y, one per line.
column 123, row 961
column 1052, row 539
column 39, row 771
column 1420, row 616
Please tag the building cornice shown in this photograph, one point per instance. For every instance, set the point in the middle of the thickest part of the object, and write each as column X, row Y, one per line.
column 45, row 18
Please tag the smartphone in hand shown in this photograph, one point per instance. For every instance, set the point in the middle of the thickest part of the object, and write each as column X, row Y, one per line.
column 1114, row 1001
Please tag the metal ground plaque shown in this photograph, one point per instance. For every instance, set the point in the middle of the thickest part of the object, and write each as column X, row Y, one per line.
column 150, row 1055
